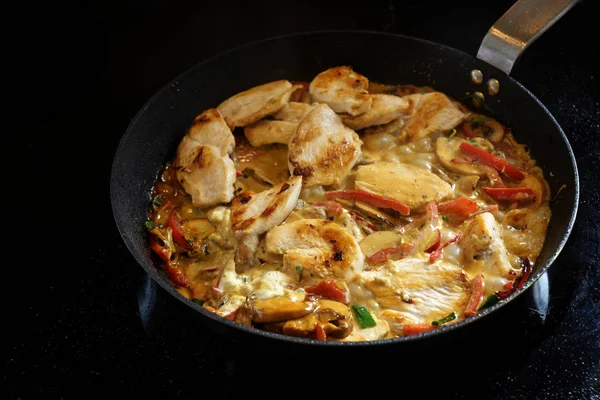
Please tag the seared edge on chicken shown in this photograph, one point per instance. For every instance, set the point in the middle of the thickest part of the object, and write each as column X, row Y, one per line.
column 265, row 132
column 323, row 150
column 343, row 89
column 429, row 113
column 320, row 248
column 209, row 128
column 205, row 174
column 256, row 213
column 385, row 108
column 256, row 103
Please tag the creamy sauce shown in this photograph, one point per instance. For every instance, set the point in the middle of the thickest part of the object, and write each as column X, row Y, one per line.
column 414, row 268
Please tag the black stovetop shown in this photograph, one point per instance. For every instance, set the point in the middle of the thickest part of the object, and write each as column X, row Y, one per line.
column 85, row 320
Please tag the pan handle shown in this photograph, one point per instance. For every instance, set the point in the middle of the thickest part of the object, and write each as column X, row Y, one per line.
column 520, row 26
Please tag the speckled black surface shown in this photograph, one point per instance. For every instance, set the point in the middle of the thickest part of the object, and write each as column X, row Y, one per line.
column 83, row 319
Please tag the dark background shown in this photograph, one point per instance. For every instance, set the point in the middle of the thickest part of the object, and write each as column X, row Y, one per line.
column 83, row 319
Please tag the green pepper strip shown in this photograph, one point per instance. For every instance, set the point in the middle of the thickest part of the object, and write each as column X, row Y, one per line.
column 490, row 301
column 363, row 316
column 450, row 317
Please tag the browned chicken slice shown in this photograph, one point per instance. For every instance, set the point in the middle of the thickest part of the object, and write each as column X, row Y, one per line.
column 316, row 248
column 256, row 103
column 484, row 252
column 205, row 174
column 323, row 150
column 265, row 132
column 413, row 290
column 343, row 89
column 429, row 113
column 256, row 213
column 385, row 109
column 209, row 128
column 293, row 111
column 412, row 185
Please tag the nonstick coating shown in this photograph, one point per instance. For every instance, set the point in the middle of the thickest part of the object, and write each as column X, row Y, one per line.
column 153, row 135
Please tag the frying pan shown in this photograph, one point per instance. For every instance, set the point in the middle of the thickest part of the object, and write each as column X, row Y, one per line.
column 151, row 138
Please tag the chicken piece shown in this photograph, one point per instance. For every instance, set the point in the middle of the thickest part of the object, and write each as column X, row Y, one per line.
column 256, row 103
column 413, row 290
column 385, row 109
column 412, row 185
column 245, row 253
column 484, row 253
column 321, row 248
column 204, row 173
column 323, row 150
column 256, row 213
column 451, row 157
column 265, row 132
column 293, row 111
column 344, row 90
column 209, row 128
column 429, row 113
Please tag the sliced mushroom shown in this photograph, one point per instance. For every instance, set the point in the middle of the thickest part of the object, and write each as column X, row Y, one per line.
column 334, row 317
column 451, row 157
column 281, row 308
column 245, row 253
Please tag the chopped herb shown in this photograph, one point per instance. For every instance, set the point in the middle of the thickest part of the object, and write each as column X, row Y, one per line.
column 157, row 201
column 245, row 175
column 472, row 140
column 452, row 134
column 450, row 317
column 424, row 196
column 299, row 271
column 490, row 301
column 149, row 224
column 198, row 301
column 445, row 218
column 363, row 316
column 479, row 119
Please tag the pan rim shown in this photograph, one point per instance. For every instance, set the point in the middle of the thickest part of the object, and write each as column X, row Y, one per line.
column 154, row 273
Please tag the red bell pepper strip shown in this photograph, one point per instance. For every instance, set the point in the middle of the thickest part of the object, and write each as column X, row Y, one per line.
column 177, row 228
column 435, row 244
column 175, row 274
column 320, row 332
column 491, row 160
column 162, row 251
column 477, row 295
column 515, row 194
column 381, row 256
column 438, row 252
column 331, row 207
column 413, row 329
column 369, row 198
column 328, row 289
column 461, row 206
column 520, row 281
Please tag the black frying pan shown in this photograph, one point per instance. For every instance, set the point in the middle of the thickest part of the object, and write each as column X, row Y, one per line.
column 153, row 135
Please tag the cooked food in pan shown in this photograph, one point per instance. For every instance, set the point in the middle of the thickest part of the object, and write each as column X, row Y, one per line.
column 344, row 210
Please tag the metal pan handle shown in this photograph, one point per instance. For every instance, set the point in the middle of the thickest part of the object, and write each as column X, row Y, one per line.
column 520, row 26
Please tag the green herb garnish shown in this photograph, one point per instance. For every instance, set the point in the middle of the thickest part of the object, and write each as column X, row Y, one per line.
column 198, row 301
column 452, row 134
column 450, row 317
column 149, row 224
column 157, row 201
column 490, row 301
column 478, row 119
column 363, row 316
column 445, row 218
